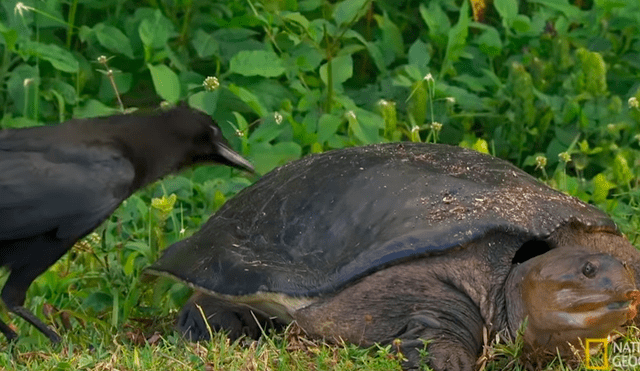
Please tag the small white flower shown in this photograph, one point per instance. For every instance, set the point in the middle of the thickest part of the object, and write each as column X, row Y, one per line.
column 451, row 100
column 27, row 82
column 436, row 126
column 383, row 103
column 20, row 8
column 564, row 157
column 415, row 129
column 102, row 59
column 278, row 117
column 429, row 77
column 211, row 83
column 351, row 115
column 633, row 102
column 541, row 162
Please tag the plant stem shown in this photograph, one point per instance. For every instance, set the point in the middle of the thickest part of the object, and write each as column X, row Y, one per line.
column 329, row 83
column 71, row 21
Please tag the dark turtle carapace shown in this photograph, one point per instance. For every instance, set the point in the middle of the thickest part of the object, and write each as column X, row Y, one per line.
column 412, row 242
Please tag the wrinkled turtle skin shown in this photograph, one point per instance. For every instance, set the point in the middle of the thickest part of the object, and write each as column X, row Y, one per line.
column 413, row 242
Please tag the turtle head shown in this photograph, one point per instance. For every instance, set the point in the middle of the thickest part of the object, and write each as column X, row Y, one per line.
column 570, row 293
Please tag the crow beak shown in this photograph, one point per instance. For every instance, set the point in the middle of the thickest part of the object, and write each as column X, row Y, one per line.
column 232, row 158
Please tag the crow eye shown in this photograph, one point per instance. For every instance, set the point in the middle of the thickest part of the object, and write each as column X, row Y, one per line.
column 589, row 270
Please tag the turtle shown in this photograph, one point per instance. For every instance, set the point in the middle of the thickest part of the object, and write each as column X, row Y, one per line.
column 426, row 243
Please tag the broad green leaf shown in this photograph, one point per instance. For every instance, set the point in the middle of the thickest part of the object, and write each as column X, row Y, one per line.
column 206, row 101
column 521, row 23
column 508, row 9
column 418, row 100
column 308, row 5
column 266, row 132
column 307, row 58
column 66, row 91
column 473, row 83
column 10, row 36
column 413, row 74
column 129, row 263
column 609, row 5
column 457, row 38
column 392, row 44
column 155, row 32
column 98, row 301
column 299, row 19
column 365, row 125
column 249, row 98
column 601, row 187
column 437, row 21
column 23, row 85
column 376, row 54
column 342, row 70
column 349, row 11
column 123, row 83
column 203, row 174
column 481, row 145
column 113, row 39
column 389, row 114
column 594, row 71
column 60, row 58
column 466, row 99
column 372, row 124
column 234, row 40
column 621, row 170
column 327, row 126
column 165, row 82
column 171, row 186
column 374, row 49
column 419, row 56
column 570, row 11
column 205, row 44
column 490, row 43
column 265, row 157
column 349, row 49
column 9, row 122
column 257, row 63
column 93, row 108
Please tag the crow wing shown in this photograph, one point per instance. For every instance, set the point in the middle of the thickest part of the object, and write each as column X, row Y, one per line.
column 67, row 188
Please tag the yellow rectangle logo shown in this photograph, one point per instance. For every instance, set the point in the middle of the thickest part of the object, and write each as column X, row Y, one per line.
column 592, row 343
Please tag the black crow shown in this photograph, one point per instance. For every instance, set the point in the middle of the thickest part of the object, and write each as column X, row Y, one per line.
column 58, row 183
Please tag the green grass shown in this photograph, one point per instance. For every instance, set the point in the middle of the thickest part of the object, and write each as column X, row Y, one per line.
column 133, row 349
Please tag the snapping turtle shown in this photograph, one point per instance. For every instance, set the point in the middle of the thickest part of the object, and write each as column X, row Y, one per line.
column 413, row 242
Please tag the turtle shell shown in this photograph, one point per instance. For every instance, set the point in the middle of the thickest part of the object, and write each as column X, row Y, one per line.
column 316, row 224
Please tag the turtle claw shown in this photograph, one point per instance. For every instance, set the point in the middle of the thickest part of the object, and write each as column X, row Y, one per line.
column 442, row 356
column 204, row 315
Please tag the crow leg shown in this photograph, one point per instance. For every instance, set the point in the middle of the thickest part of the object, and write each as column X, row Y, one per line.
column 7, row 331
column 37, row 255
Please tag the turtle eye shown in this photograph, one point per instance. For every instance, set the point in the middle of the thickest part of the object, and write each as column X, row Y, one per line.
column 589, row 270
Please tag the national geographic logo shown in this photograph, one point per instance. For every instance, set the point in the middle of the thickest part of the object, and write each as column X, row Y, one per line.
column 624, row 355
column 592, row 344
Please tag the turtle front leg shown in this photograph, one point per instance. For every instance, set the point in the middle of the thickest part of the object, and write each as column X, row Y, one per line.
column 204, row 314
column 445, row 350
column 414, row 303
